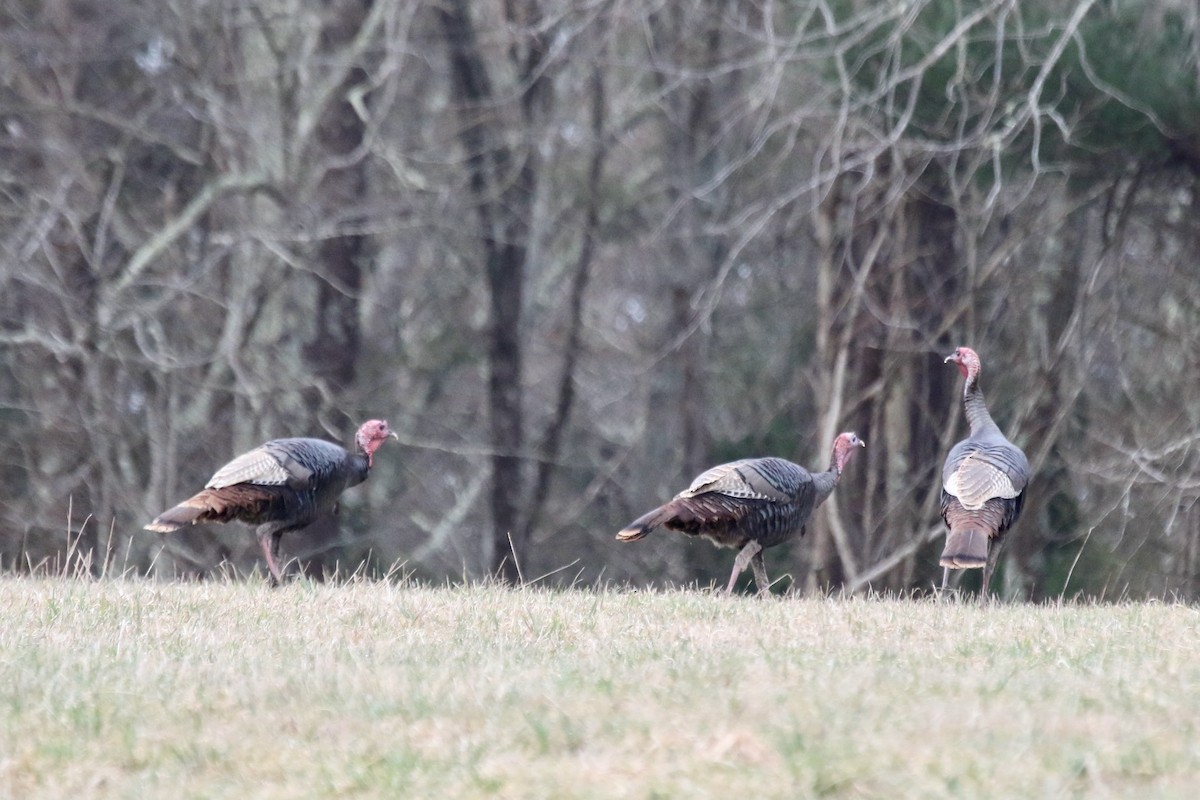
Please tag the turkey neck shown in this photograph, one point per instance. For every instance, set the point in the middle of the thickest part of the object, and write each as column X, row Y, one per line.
column 825, row 483
column 358, row 467
column 979, row 419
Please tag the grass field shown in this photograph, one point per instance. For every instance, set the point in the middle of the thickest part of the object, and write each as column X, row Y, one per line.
column 133, row 689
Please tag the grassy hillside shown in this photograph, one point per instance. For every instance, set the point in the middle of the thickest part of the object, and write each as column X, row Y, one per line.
column 232, row 690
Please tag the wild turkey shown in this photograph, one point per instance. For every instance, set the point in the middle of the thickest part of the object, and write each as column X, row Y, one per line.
column 750, row 504
column 983, row 483
column 280, row 486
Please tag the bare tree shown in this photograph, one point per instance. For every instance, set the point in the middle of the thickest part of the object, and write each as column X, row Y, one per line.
column 577, row 252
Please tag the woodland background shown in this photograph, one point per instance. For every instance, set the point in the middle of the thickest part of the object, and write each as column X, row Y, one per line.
column 576, row 252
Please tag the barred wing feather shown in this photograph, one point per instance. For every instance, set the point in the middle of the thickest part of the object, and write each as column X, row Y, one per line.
column 770, row 479
column 259, row 466
column 981, row 474
column 298, row 463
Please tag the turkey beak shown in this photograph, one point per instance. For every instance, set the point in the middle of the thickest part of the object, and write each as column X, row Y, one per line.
column 949, row 358
column 862, row 443
column 394, row 435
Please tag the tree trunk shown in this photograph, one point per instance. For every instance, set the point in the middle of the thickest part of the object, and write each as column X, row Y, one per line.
column 551, row 442
column 332, row 352
column 503, row 195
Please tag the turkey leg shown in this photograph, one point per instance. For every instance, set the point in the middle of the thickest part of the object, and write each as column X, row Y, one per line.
column 993, row 557
column 744, row 557
column 760, row 574
column 268, row 540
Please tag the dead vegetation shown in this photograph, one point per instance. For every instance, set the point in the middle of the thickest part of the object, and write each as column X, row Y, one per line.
column 130, row 688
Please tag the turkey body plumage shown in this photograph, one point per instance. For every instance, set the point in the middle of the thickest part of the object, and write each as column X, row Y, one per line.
column 280, row 486
column 763, row 499
column 983, row 483
column 750, row 504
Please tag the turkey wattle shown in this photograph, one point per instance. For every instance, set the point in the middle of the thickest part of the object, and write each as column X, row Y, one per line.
column 983, row 482
column 750, row 504
column 281, row 486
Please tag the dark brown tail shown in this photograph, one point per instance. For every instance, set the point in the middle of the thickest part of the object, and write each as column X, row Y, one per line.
column 189, row 512
column 210, row 505
column 971, row 532
column 966, row 546
column 644, row 524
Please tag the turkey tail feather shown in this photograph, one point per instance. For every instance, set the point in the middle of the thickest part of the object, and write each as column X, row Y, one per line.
column 971, row 531
column 644, row 524
column 189, row 512
column 214, row 505
column 966, row 547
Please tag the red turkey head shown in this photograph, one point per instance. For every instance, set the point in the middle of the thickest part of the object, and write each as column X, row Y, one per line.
column 967, row 361
column 371, row 435
column 843, row 448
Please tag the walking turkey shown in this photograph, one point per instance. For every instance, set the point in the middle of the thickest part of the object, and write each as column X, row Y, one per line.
column 751, row 504
column 281, row 486
column 983, row 483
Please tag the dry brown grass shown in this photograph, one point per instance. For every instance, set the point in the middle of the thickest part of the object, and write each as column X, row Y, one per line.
column 134, row 689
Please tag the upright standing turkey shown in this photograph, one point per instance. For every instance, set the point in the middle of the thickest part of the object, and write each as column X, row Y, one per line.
column 750, row 504
column 983, row 482
column 280, row 486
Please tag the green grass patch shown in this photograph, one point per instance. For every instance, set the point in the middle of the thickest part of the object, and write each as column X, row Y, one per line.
column 138, row 689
